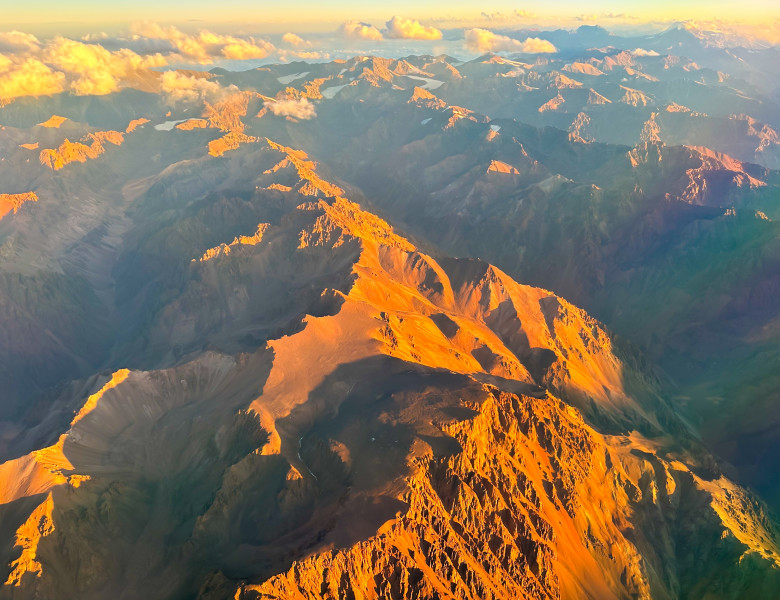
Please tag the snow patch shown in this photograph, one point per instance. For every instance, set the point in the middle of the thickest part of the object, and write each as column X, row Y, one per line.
column 332, row 91
column 290, row 78
column 430, row 84
column 168, row 125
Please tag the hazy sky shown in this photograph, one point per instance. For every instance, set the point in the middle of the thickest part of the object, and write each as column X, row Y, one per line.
column 311, row 15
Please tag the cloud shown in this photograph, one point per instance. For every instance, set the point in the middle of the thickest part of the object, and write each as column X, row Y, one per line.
column 240, row 49
column 205, row 46
column 91, row 69
column 29, row 77
column 622, row 16
column 296, row 41
column 299, row 108
column 285, row 55
column 94, row 37
column 18, row 42
column 410, row 29
column 98, row 64
column 484, row 40
column 590, row 17
column 179, row 87
column 535, row 45
column 67, row 65
column 512, row 16
column 360, row 30
column 643, row 52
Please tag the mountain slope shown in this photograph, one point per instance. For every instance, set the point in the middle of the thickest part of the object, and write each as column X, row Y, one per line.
column 422, row 435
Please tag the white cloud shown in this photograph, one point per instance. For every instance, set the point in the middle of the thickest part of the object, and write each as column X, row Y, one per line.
column 92, row 69
column 94, row 37
column 205, row 46
column 360, row 30
column 67, row 65
column 18, row 42
column 484, row 40
column 535, row 45
column 239, row 49
column 179, row 87
column 99, row 64
column 410, row 29
column 286, row 55
column 28, row 77
column 296, row 41
column 590, row 17
column 512, row 16
column 299, row 108
column 643, row 52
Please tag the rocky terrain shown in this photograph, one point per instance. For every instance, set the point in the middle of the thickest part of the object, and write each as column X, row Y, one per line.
column 319, row 335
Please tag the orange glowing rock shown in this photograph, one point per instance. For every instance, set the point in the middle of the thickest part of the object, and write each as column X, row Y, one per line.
column 595, row 98
column 69, row 152
column 651, row 131
column 229, row 141
column 634, row 97
column 578, row 130
column 497, row 166
column 552, row 104
column 674, row 107
column 425, row 98
column 53, row 122
column 13, row 202
column 37, row 526
column 242, row 240
column 309, row 183
column 117, row 378
column 583, row 68
column 191, row 124
column 135, row 123
column 226, row 114
column 562, row 82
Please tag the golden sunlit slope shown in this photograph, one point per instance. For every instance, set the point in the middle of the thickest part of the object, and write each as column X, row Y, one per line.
column 414, row 426
column 69, row 152
column 535, row 504
column 13, row 202
column 306, row 403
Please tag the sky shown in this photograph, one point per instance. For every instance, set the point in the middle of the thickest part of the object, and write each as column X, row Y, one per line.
column 93, row 48
column 306, row 16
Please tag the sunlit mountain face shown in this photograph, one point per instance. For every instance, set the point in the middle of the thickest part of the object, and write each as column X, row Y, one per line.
column 467, row 307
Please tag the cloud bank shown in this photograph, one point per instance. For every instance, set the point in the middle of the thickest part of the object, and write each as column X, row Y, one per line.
column 203, row 47
column 62, row 64
column 484, row 40
column 100, row 64
column 643, row 52
column 395, row 28
column 360, row 30
column 409, row 29
column 179, row 87
column 299, row 108
column 92, row 69
column 292, row 39
column 29, row 77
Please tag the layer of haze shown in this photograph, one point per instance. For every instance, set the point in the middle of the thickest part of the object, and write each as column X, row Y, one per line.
column 82, row 16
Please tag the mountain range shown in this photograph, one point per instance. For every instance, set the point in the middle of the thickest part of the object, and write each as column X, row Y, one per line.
column 410, row 327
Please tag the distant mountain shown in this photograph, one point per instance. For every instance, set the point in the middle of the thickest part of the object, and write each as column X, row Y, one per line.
column 397, row 417
column 317, row 333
